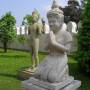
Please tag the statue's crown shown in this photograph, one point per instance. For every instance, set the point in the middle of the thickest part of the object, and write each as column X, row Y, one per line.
column 55, row 9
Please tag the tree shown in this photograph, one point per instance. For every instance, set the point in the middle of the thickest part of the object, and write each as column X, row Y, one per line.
column 27, row 20
column 7, row 29
column 72, row 12
column 83, row 54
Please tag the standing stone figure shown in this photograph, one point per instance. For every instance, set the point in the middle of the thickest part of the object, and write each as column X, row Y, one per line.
column 52, row 73
column 34, row 31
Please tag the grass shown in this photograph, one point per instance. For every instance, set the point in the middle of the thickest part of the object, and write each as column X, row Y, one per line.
column 12, row 61
column 10, row 64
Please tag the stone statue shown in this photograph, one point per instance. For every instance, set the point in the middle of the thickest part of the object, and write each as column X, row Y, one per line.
column 52, row 73
column 46, row 29
column 54, row 67
column 35, row 30
column 72, row 27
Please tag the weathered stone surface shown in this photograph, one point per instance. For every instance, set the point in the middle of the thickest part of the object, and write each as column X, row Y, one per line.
column 47, row 85
column 30, row 86
column 50, row 86
column 70, row 86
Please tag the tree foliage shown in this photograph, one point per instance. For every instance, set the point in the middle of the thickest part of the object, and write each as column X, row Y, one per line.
column 7, row 29
column 83, row 54
column 27, row 20
column 72, row 12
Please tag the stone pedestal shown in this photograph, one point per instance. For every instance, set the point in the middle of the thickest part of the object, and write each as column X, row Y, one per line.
column 35, row 84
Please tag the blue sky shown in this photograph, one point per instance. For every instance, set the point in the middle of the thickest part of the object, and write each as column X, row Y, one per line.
column 20, row 8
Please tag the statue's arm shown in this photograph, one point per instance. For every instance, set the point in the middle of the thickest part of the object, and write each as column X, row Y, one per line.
column 47, row 42
column 63, row 48
column 39, row 28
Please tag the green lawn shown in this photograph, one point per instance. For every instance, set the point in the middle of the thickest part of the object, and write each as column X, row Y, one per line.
column 13, row 61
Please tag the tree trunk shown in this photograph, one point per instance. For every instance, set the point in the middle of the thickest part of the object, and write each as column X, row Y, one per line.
column 5, row 46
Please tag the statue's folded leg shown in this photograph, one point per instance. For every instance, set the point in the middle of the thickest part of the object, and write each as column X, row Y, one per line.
column 45, row 72
column 62, row 75
column 40, row 68
column 57, row 76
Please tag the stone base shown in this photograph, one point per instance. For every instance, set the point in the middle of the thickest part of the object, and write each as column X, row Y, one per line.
column 26, row 74
column 35, row 84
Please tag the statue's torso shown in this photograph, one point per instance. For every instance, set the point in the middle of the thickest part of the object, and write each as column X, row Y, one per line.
column 61, row 37
column 51, row 68
column 35, row 30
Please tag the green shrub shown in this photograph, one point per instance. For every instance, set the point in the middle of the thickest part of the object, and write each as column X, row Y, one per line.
column 83, row 53
column 22, row 39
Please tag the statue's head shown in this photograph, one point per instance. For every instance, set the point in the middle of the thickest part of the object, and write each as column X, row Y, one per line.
column 55, row 17
column 35, row 16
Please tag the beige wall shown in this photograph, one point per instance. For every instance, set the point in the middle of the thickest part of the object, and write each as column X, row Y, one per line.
column 43, row 42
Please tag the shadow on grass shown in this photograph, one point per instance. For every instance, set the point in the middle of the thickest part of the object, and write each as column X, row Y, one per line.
column 9, row 75
column 1, row 51
column 12, row 56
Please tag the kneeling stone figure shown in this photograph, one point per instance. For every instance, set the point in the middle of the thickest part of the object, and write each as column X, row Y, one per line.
column 52, row 73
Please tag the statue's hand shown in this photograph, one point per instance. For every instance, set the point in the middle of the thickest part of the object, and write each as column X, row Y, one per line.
column 52, row 37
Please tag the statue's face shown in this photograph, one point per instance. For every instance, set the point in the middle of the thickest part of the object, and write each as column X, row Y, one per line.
column 55, row 23
column 35, row 17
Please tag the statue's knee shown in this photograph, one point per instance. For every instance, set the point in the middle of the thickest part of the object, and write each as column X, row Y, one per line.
column 52, row 77
column 37, row 73
column 63, row 73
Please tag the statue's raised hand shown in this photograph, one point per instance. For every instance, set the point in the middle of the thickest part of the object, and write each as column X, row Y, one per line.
column 52, row 37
